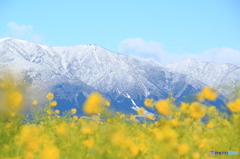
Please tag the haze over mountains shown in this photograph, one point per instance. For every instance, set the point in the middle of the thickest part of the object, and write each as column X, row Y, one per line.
column 72, row 73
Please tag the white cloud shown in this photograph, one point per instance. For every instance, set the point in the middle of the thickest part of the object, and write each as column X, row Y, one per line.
column 222, row 55
column 141, row 49
column 25, row 32
column 154, row 50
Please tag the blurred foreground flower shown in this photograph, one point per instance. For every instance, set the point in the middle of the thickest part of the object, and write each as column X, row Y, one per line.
column 11, row 97
column 164, row 107
column 196, row 111
column 234, row 106
column 183, row 149
column 207, row 93
column 94, row 104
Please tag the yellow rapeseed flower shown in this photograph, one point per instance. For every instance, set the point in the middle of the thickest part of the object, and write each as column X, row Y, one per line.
column 61, row 128
column 234, row 106
column 134, row 150
column 175, row 122
column 132, row 117
column 50, row 96
column 88, row 143
column 50, row 151
column 143, row 148
column 29, row 137
column 196, row 111
column 87, row 130
column 150, row 117
column 73, row 111
column 166, row 134
column 149, row 102
column 53, row 103
column 75, row 118
column 29, row 155
column 184, row 108
column 34, row 102
column 122, row 116
column 183, row 149
column 212, row 108
column 93, row 104
column 196, row 155
column 107, row 103
column 15, row 99
column 195, row 138
column 210, row 125
column 57, row 111
column 140, row 111
column 164, row 107
column 203, row 144
column 207, row 93
column 117, row 137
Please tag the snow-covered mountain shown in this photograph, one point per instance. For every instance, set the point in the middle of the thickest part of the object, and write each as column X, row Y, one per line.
column 93, row 65
column 74, row 72
column 211, row 73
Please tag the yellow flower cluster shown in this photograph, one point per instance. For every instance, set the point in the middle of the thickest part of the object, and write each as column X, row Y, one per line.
column 94, row 104
column 11, row 98
column 234, row 106
column 33, row 143
column 164, row 107
column 207, row 93
column 196, row 110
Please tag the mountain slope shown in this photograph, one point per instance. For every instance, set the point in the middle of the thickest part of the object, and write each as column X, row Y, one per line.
column 211, row 73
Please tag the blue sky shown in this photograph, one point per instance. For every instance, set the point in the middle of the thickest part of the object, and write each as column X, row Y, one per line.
column 166, row 31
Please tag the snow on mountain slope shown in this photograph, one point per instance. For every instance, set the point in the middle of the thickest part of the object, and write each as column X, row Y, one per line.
column 211, row 73
column 95, row 67
column 19, row 55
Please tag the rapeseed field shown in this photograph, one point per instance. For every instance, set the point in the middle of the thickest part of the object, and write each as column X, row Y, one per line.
column 175, row 132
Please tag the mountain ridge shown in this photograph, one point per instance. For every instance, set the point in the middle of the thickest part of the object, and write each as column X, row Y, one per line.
column 211, row 73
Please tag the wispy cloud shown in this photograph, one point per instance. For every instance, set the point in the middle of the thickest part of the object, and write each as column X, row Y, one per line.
column 154, row 50
column 25, row 32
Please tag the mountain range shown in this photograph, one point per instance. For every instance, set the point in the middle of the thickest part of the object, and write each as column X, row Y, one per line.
column 72, row 73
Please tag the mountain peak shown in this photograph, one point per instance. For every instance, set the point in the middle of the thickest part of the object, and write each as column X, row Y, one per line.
column 190, row 61
column 12, row 39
